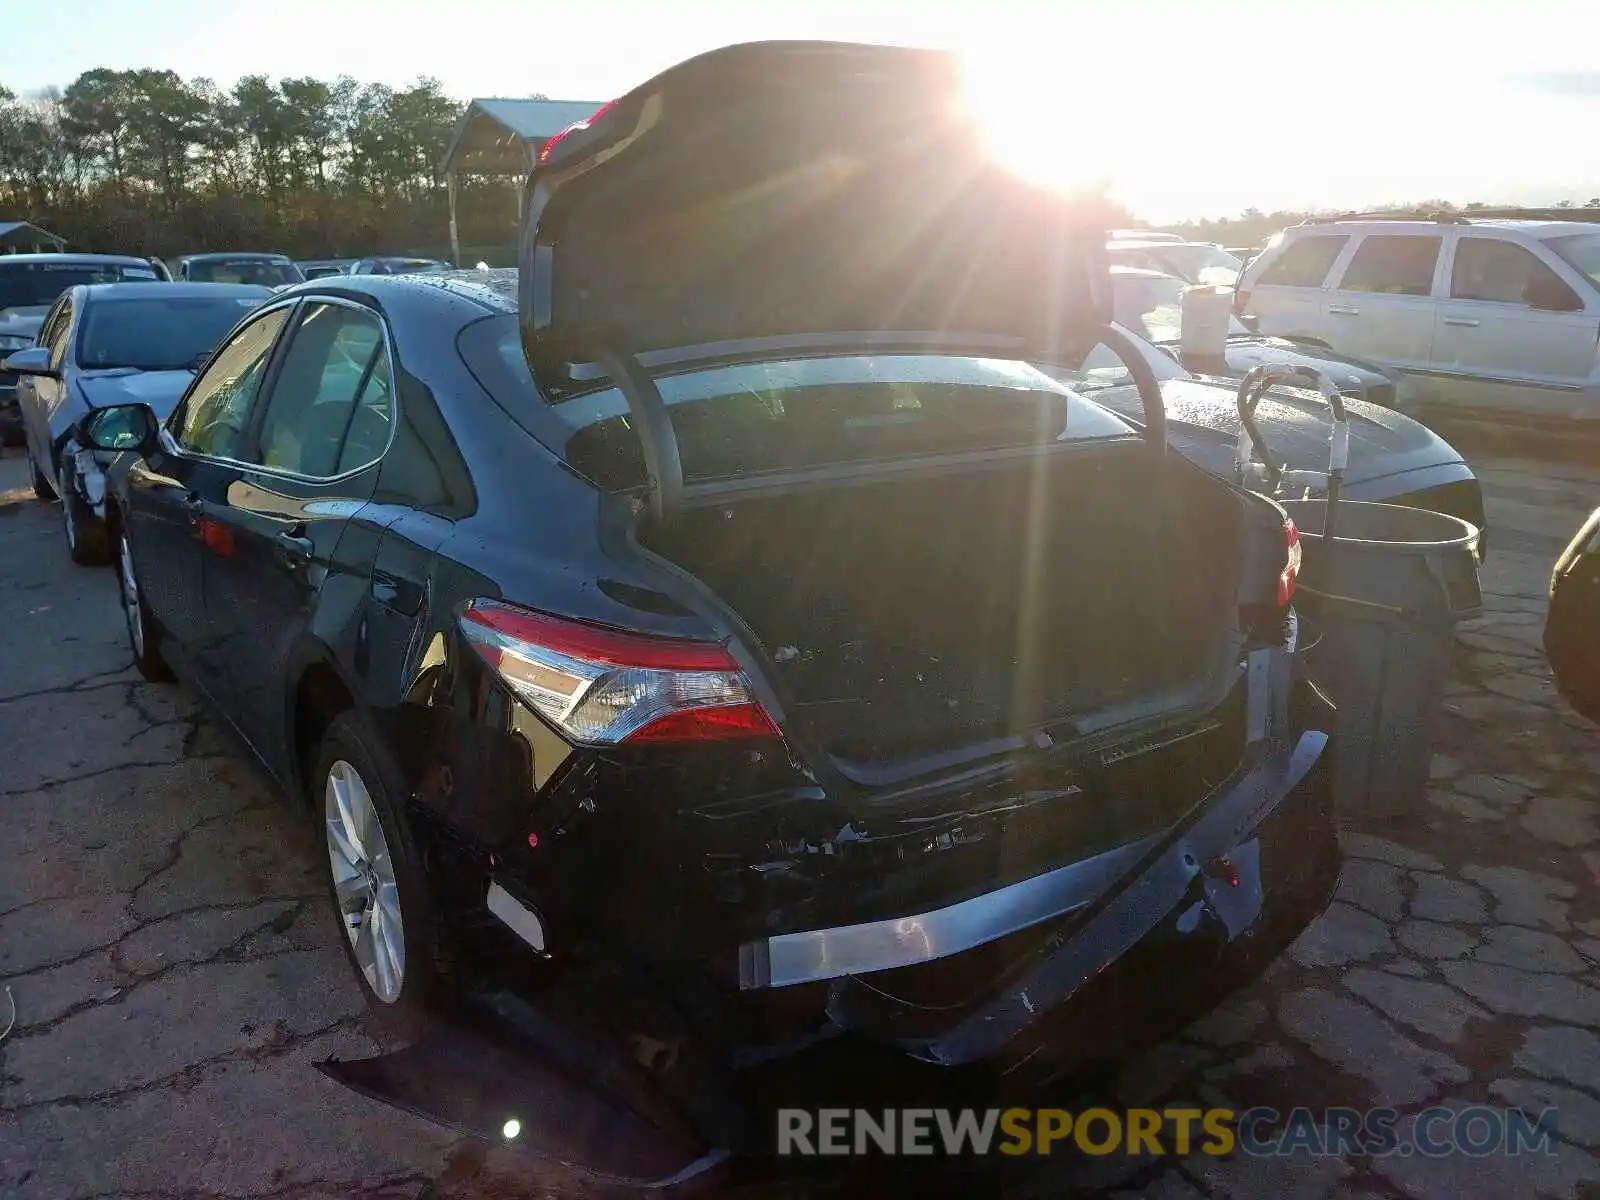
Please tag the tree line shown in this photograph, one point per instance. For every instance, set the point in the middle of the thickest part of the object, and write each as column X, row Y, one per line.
column 147, row 162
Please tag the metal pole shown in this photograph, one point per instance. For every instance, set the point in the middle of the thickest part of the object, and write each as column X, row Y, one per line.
column 455, row 237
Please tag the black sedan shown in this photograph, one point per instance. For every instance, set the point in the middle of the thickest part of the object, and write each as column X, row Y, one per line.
column 1572, row 626
column 110, row 344
column 706, row 680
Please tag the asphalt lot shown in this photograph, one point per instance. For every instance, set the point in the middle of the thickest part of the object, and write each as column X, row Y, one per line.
column 164, row 936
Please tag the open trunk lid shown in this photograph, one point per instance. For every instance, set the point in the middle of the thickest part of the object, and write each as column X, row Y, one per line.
column 786, row 189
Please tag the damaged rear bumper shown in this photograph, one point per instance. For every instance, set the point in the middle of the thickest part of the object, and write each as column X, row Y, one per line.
column 1209, row 901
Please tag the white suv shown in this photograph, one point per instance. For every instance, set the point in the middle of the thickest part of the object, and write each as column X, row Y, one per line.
column 1499, row 316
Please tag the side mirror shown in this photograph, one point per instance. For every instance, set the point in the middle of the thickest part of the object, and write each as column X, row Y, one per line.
column 35, row 360
column 1545, row 291
column 119, row 427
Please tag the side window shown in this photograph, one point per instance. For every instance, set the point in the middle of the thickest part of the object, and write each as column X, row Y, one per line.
column 374, row 417
column 1503, row 272
column 55, row 333
column 217, row 411
column 1397, row 265
column 333, row 390
column 1304, row 262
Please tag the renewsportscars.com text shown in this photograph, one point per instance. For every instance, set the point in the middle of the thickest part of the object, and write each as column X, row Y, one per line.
column 1260, row 1132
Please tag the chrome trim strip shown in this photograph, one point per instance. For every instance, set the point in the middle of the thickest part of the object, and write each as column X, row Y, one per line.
column 814, row 954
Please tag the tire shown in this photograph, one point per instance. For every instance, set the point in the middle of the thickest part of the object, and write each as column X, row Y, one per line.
column 41, row 482
column 389, row 924
column 144, row 635
column 87, row 544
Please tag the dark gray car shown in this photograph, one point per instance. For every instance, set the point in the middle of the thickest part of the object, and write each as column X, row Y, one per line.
column 111, row 344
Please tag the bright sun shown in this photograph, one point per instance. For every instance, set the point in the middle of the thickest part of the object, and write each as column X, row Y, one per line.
column 1034, row 119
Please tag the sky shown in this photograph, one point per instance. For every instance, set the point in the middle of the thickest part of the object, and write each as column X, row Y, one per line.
column 1187, row 109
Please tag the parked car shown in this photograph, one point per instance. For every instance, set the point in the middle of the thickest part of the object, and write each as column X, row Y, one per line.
column 29, row 285
column 1192, row 262
column 1143, row 235
column 1572, row 625
column 1491, row 317
column 1393, row 458
column 321, row 268
column 1151, row 304
column 778, row 686
column 266, row 270
column 394, row 265
column 108, row 344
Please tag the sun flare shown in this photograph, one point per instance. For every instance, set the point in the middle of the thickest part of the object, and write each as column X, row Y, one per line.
column 1040, row 122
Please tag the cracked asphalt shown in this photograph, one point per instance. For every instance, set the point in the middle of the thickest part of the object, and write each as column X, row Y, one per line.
column 164, row 936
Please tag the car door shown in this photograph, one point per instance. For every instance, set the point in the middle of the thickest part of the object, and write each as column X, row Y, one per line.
column 168, row 494
column 1382, row 307
column 323, row 427
column 1285, row 294
column 1512, row 335
column 38, row 395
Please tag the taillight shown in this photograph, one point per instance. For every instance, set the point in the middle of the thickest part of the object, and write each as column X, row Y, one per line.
column 1241, row 297
column 549, row 146
column 1290, row 575
column 602, row 686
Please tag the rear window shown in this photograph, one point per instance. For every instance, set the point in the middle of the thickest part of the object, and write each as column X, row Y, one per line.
column 1393, row 265
column 790, row 414
column 37, row 284
column 265, row 272
column 1304, row 262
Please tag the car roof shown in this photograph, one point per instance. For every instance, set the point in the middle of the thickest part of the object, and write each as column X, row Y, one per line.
column 88, row 259
column 234, row 255
column 1118, row 270
column 1528, row 227
column 494, row 290
column 1543, row 229
column 1142, row 244
column 167, row 291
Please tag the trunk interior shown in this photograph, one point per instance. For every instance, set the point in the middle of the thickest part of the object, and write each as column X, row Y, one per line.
column 914, row 616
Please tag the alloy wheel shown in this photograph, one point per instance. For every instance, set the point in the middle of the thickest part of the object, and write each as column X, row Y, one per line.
column 131, row 607
column 364, row 881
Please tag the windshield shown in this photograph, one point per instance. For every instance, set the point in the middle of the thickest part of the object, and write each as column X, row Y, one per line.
column 794, row 413
column 37, row 284
column 1198, row 263
column 158, row 334
column 264, row 271
column 1153, row 305
column 1582, row 251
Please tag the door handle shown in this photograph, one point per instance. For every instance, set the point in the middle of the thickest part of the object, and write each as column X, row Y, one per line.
column 295, row 545
column 1462, row 322
column 1343, row 310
